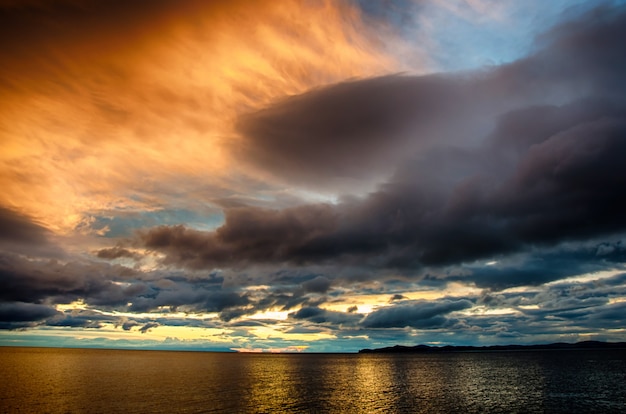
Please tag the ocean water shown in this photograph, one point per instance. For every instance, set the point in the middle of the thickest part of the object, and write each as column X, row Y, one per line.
column 47, row 380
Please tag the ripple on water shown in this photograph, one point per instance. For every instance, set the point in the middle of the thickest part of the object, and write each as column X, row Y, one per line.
column 34, row 380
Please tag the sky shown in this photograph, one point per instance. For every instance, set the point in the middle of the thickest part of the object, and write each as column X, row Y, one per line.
column 318, row 176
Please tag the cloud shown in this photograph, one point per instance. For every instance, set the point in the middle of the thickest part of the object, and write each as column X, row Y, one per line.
column 15, row 315
column 457, row 200
column 150, row 325
column 120, row 107
column 50, row 280
column 18, row 228
column 81, row 319
column 258, row 164
column 191, row 298
column 319, row 284
column 348, row 130
column 397, row 296
column 22, row 234
column 250, row 235
column 116, row 253
column 541, row 265
column 422, row 315
column 321, row 316
column 565, row 186
column 128, row 325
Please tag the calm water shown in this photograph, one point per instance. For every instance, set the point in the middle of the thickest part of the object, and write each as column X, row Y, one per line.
column 39, row 380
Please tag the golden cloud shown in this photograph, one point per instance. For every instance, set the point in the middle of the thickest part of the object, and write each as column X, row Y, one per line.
column 128, row 106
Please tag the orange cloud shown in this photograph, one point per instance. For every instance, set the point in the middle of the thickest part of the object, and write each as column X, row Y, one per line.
column 128, row 105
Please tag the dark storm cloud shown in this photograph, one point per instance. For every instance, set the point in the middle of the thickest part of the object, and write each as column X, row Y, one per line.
column 507, row 165
column 14, row 315
column 542, row 166
column 122, row 289
column 18, row 228
column 543, row 265
column 346, row 130
column 567, row 185
column 21, row 234
column 191, row 298
column 34, row 281
column 250, row 235
column 566, row 306
column 318, row 315
column 359, row 128
column 422, row 315
column 320, row 284
column 610, row 316
column 559, row 311
column 109, row 287
column 81, row 319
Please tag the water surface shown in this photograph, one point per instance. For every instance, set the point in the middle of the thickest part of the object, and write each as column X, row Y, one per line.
column 37, row 380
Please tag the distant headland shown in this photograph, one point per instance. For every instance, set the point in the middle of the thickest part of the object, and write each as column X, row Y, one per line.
column 400, row 349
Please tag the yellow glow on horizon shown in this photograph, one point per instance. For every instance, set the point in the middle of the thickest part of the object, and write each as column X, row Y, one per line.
column 80, row 305
column 521, row 289
column 185, row 333
column 366, row 303
column 287, row 349
column 269, row 314
column 485, row 311
column 76, row 305
column 275, row 332
column 529, row 307
column 587, row 277
column 110, row 332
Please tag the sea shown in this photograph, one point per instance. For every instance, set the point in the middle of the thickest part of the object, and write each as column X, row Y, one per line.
column 53, row 380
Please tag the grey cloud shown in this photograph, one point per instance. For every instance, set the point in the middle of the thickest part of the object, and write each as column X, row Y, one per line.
column 248, row 323
column 351, row 129
column 542, row 265
column 18, row 228
column 503, row 164
column 318, row 315
column 191, row 298
column 566, row 186
column 116, row 252
column 305, row 330
column 421, row 315
column 105, row 286
column 150, row 325
column 81, row 319
column 566, row 306
column 360, row 128
column 613, row 314
column 249, row 235
column 21, row 234
column 34, row 281
column 617, row 280
column 128, row 325
column 543, row 167
column 320, row 284
column 15, row 315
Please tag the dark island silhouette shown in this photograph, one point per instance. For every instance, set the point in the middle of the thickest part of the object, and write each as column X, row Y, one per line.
column 585, row 345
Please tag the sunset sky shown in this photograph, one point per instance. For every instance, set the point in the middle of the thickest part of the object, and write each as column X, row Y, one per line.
column 312, row 175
